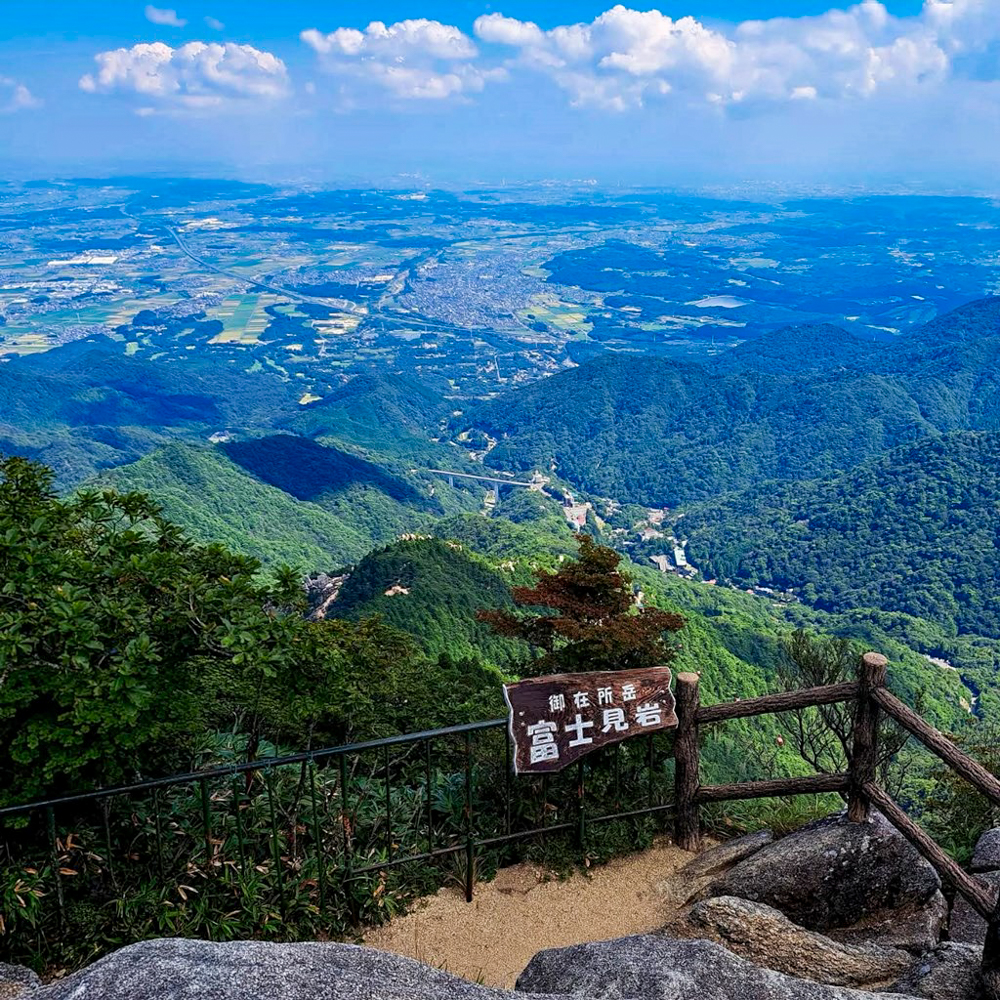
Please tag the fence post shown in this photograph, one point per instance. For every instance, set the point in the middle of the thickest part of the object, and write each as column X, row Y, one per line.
column 687, row 833
column 864, row 754
column 990, row 973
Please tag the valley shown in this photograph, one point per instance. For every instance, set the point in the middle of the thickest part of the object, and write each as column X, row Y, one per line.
column 782, row 415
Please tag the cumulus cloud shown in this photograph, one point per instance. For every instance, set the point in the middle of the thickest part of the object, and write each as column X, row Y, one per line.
column 413, row 60
column 15, row 96
column 625, row 57
column 215, row 24
column 197, row 75
column 163, row 16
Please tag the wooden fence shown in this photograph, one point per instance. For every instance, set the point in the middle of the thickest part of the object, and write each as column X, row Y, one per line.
column 871, row 699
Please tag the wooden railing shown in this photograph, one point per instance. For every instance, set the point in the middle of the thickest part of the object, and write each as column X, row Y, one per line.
column 859, row 783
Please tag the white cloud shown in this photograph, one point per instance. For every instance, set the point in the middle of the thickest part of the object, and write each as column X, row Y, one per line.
column 15, row 96
column 413, row 60
column 624, row 57
column 196, row 76
column 163, row 16
column 215, row 24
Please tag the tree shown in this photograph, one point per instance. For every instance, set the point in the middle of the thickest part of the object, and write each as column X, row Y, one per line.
column 583, row 617
column 113, row 629
column 824, row 736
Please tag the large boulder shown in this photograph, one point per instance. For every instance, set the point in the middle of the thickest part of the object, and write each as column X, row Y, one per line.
column 654, row 968
column 966, row 925
column 767, row 938
column 949, row 972
column 986, row 856
column 718, row 860
column 171, row 969
column 834, row 873
column 709, row 866
column 917, row 927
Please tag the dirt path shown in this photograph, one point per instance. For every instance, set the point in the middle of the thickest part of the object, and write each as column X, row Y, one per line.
column 525, row 910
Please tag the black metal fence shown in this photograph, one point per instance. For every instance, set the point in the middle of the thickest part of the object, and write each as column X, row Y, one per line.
column 304, row 845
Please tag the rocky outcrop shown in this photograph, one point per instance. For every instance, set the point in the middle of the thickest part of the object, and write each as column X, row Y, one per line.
column 253, row 970
column 698, row 874
column 636, row 968
column 949, row 972
column 833, row 874
column 767, row 938
column 916, row 927
column 651, row 968
column 718, row 860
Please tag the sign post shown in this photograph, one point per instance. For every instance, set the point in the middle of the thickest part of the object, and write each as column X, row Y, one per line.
column 556, row 720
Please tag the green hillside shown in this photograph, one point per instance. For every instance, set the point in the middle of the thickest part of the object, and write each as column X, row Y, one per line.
column 798, row 349
column 213, row 499
column 372, row 409
column 288, row 499
column 797, row 404
column 915, row 532
column 88, row 406
column 385, row 414
column 431, row 589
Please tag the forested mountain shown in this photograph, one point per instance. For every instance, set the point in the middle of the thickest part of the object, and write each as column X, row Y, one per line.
column 373, row 411
column 798, row 349
column 214, row 499
column 432, row 589
column 666, row 432
column 286, row 499
column 916, row 531
column 88, row 406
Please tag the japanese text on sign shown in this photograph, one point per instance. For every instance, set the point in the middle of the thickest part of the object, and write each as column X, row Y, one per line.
column 556, row 720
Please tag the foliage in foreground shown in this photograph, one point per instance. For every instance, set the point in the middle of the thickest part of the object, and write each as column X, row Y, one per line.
column 122, row 642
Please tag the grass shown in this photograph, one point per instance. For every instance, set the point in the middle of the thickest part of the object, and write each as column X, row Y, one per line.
column 553, row 311
column 243, row 318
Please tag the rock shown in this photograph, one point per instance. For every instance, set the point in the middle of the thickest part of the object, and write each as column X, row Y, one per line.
column 692, row 880
column 966, row 924
column 719, row 859
column 833, row 873
column 916, row 928
column 767, row 938
column 653, row 968
column 253, row 970
column 949, row 972
column 16, row 980
column 986, row 857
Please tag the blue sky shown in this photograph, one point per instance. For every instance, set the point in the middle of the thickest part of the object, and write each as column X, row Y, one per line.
column 697, row 92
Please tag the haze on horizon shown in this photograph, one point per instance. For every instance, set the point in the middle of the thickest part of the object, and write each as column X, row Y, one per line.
column 457, row 91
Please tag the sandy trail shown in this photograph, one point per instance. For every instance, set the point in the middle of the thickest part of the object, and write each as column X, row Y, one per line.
column 525, row 909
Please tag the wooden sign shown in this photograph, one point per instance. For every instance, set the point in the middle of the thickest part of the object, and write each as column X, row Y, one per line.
column 556, row 720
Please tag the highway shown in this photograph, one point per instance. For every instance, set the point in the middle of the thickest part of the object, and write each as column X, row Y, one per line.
column 485, row 479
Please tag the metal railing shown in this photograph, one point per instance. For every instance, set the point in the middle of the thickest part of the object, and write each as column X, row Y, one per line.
column 322, row 828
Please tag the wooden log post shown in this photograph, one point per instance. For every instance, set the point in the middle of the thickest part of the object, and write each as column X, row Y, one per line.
column 687, row 831
column 864, row 755
column 990, row 972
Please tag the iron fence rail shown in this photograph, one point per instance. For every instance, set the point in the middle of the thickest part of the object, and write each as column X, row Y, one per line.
column 236, row 819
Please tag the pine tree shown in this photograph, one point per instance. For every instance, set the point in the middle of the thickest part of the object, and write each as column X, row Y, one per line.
column 583, row 617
